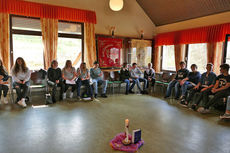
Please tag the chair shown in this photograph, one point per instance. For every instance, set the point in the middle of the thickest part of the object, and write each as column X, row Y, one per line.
column 115, row 77
column 38, row 80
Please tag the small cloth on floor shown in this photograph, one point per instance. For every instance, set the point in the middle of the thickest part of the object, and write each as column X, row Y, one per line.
column 116, row 143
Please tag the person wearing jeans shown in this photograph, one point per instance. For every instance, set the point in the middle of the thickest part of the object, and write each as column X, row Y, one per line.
column 125, row 77
column 149, row 74
column 207, row 81
column 83, row 79
column 21, row 76
column 189, row 82
column 227, row 111
column 177, row 82
column 55, row 80
column 69, row 76
column 220, row 90
column 96, row 75
column 136, row 77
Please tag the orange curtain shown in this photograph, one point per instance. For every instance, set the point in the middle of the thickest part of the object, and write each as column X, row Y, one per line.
column 50, row 40
column 4, row 40
column 32, row 9
column 208, row 34
column 90, row 47
column 157, row 59
column 215, row 55
column 179, row 55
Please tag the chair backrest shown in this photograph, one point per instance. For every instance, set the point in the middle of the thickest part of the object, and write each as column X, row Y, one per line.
column 166, row 76
column 158, row 76
column 106, row 75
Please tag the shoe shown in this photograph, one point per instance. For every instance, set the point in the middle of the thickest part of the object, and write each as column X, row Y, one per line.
column 126, row 93
column 225, row 116
column 92, row 98
column 104, row 95
column 166, row 97
column 145, row 92
column 203, row 110
column 176, row 98
column 71, row 95
column 193, row 107
column 95, row 95
column 5, row 100
column 22, row 102
column 183, row 103
column 64, row 96
column 182, row 97
column 79, row 98
column 130, row 91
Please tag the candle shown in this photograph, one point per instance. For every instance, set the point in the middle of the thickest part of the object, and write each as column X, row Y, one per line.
column 127, row 130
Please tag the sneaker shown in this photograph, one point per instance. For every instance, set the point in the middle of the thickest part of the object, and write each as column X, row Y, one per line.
column 193, row 107
column 182, row 97
column 126, row 93
column 95, row 95
column 5, row 100
column 78, row 98
column 71, row 95
column 166, row 97
column 225, row 116
column 183, row 103
column 203, row 110
column 104, row 95
column 92, row 98
column 130, row 91
column 22, row 102
column 54, row 100
column 64, row 96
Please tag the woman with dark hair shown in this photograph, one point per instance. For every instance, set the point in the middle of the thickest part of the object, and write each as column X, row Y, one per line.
column 3, row 81
column 83, row 79
column 55, row 79
column 69, row 75
column 21, row 76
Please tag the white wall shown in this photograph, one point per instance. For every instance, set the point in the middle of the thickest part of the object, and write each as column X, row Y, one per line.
column 128, row 22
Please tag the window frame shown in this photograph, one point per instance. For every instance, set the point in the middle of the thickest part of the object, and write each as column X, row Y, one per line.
column 161, row 67
column 227, row 37
column 39, row 33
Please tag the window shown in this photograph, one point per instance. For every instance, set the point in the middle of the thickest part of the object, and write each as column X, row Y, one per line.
column 197, row 54
column 70, row 43
column 26, row 41
column 227, row 49
column 228, row 53
column 168, row 58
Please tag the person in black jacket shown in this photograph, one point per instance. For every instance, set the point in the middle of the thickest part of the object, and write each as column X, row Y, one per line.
column 149, row 74
column 125, row 77
column 3, row 81
column 55, row 79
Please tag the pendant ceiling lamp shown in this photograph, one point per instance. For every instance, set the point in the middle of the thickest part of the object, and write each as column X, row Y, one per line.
column 116, row 5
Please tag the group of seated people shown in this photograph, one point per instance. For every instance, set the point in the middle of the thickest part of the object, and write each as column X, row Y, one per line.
column 69, row 77
column 202, row 86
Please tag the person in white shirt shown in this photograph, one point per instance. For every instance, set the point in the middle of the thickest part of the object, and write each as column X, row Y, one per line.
column 21, row 76
column 69, row 76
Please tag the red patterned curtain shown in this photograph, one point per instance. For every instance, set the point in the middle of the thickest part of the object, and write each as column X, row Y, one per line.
column 32, row 9
column 109, row 52
column 208, row 34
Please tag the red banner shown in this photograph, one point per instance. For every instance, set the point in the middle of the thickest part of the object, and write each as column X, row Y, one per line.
column 109, row 52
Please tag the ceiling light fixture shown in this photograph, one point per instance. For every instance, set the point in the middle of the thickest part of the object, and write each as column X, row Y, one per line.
column 116, row 5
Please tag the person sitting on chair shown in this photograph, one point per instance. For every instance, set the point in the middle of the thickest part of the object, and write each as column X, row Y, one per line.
column 126, row 77
column 149, row 74
column 136, row 76
column 181, row 74
column 220, row 90
column 21, row 76
column 55, row 80
column 84, row 79
column 207, row 81
column 96, row 75
column 189, row 82
column 3, row 81
column 69, row 76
